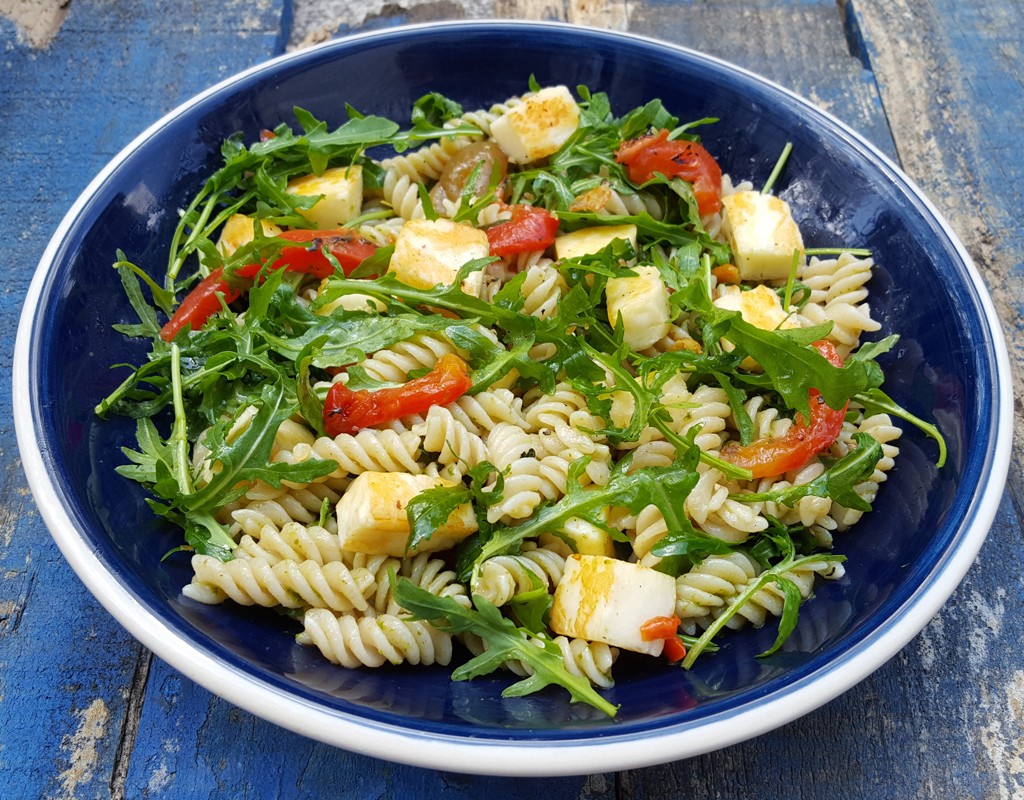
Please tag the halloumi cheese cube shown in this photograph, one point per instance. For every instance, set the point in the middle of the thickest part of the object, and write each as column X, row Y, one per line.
column 760, row 306
column 372, row 515
column 762, row 233
column 342, row 190
column 607, row 600
column 238, row 231
column 538, row 126
column 641, row 302
column 587, row 241
column 588, row 538
column 430, row 252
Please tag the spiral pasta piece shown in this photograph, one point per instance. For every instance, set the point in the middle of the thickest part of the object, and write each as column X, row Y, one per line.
column 253, row 518
column 402, row 193
column 368, row 450
column 372, row 640
column 290, row 584
column 528, row 483
column 293, row 542
column 542, row 289
column 503, row 577
column 450, row 439
column 426, row 572
column 711, row 585
column 507, row 443
column 422, row 351
column 807, row 511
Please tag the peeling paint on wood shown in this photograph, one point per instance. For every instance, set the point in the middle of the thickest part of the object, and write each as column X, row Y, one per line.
column 38, row 20
column 79, row 749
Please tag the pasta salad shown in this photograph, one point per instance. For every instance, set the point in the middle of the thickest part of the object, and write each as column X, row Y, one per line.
column 535, row 381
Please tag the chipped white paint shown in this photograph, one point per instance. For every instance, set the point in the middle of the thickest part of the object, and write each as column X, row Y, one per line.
column 80, row 749
column 1003, row 739
column 38, row 20
column 318, row 20
column 163, row 775
column 988, row 610
column 7, row 609
column 930, row 642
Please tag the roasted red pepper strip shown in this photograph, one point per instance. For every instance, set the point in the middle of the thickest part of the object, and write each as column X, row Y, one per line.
column 802, row 441
column 647, row 155
column 347, row 411
column 659, row 628
column 201, row 303
column 664, row 628
column 530, row 228
column 674, row 650
column 347, row 247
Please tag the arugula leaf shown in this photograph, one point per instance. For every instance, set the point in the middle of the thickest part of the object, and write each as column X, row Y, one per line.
column 648, row 410
column 262, row 170
column 664, row 487
column 208, row 537
column 310, row 405
column 147, row 317
column 346, row 338
column 433, row 110
column 247, row 458
column 875, row 401
column 792, row 598
column 777, row 574
column 791, row 365
column 496, row 361
column 505, row 642
column 531, row 608
column 165, row 468
column 430, row 509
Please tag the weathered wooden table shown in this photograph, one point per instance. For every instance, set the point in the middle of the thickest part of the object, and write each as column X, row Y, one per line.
column 86, row 712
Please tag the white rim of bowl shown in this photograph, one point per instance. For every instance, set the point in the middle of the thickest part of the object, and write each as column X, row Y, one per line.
column 505, row 757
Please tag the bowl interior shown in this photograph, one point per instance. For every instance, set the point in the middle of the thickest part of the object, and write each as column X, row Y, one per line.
column 842, row 194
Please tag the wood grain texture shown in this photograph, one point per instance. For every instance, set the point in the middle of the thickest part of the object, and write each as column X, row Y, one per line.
column 69, row 674
column 952, row 78
column 86, row 713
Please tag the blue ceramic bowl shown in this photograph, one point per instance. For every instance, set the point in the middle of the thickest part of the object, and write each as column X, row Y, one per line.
column 904, row 561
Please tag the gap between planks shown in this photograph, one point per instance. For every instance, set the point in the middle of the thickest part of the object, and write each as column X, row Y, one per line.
column 130, row 729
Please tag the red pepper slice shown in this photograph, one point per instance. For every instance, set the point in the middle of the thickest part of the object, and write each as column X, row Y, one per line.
column 665, row 628
column 647, row 155
column 347, row 411
column 802, row 442
column 348, row 248
column 201, row 303
column 659, row 628
column 674, row 650
column 530, row 228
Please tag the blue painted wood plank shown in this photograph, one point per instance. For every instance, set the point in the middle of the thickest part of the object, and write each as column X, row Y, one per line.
column 192, row 744
column 66, row 668
column 801, row 45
